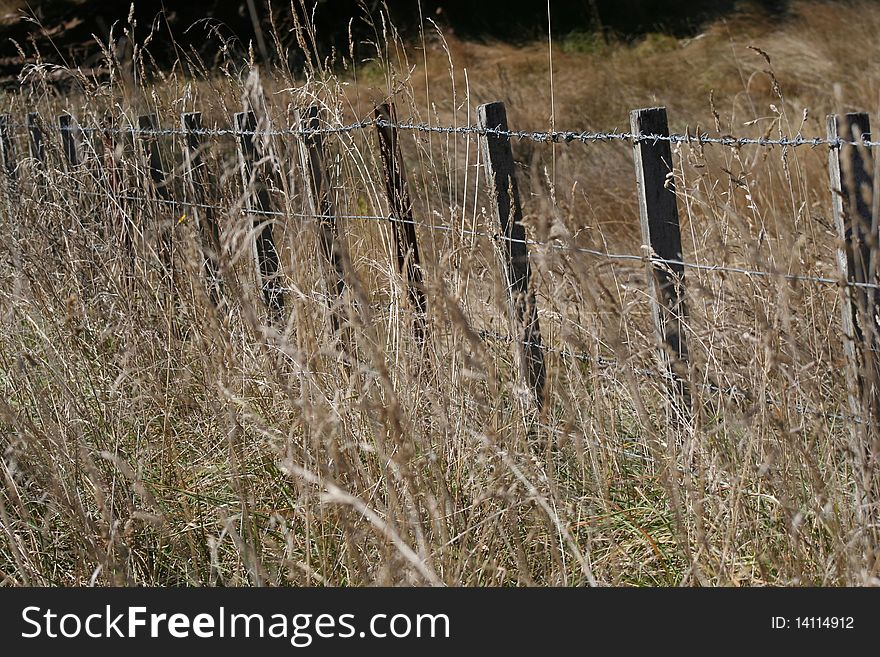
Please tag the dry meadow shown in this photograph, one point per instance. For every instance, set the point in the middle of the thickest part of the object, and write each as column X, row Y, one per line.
column 149, row 437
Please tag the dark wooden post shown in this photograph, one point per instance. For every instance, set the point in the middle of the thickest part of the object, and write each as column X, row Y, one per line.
column 35, row 139
column 158, row 186
column 149, row 127
column 408, row 261
column 660, row 230
column 71, row 140
column 7, row 155
column 196, row 178
column 7, row 151
column 313, row 161
column 501, row 178
column 260, row 207
column 851, row 169
column 10, row 169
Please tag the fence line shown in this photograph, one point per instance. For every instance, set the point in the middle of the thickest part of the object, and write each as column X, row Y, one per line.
column 662, row 253
column 550, row 136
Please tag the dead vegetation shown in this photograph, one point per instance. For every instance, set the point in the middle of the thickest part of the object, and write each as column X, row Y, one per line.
column 150, row 438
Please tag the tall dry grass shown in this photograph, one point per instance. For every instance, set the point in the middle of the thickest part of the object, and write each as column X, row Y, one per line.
column 149, row 438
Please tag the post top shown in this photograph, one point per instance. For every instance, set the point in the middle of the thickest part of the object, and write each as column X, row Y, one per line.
column 648, row 110
column 492, row 115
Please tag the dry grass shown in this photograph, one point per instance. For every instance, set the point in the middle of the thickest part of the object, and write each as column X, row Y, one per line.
column 149, row 439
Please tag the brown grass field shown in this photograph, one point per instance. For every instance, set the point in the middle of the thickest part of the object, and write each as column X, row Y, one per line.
column 149, row 439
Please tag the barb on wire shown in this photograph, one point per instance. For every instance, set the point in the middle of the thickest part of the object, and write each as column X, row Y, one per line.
column 219, row 132
column 568, row 136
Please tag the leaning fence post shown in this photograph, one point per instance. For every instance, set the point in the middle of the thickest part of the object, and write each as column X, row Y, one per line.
column 501, row 178
column 408, row 259
column 206, row 221
column 851, row 168
column 259, row 206
column 660, row 230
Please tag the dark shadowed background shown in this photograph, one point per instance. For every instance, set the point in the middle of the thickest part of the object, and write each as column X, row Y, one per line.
column 66, row 29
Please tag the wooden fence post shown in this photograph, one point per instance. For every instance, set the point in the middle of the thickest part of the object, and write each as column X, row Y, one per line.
column 196, row 178
column 149, row 126
column 259, row 205
column 407, row 248
column 851, row 169
column 660, row 230
column 11, row 197
column 312, row 154
column 7, row 152
column 158, row 188
column 37, row 152
column 36, row 147
column 71, row 140
column 501, row 178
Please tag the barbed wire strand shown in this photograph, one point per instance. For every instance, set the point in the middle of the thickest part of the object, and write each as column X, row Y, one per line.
column 551, row 136
column 705, row 267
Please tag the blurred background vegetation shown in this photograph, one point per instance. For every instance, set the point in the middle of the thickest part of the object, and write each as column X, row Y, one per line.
column 67, row 32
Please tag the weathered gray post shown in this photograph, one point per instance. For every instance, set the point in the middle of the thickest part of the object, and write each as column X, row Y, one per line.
column 501, row 178
column 313, row 162
column 260, row 206
column 851, row 168
column 37, row 152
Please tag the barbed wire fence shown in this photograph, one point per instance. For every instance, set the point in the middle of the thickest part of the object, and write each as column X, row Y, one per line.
column 552, row 136
column 859, row 138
